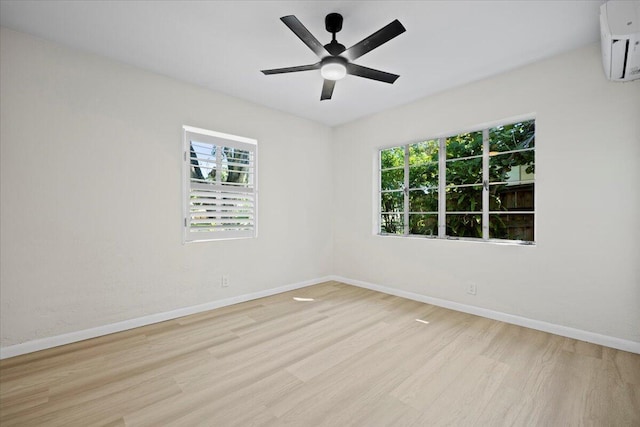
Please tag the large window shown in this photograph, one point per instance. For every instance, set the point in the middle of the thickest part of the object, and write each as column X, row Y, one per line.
column 220, row 198
column 475, row 185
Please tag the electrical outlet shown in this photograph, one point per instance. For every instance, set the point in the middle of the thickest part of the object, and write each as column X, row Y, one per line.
column 472, row 288
column 224, row 282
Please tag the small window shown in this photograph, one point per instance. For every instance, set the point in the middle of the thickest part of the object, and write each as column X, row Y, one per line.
column 220, row 197
column 473, row 185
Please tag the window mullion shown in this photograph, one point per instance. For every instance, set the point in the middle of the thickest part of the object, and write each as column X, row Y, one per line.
column 218, row 164
column 406, row 189
column 485, row 184
column 442, row 182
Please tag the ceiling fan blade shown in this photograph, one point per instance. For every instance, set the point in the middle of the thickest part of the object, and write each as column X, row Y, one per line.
column 370, row 73
column 327, row 89
column 307, row 38
column 291, row 69
column 376, row 39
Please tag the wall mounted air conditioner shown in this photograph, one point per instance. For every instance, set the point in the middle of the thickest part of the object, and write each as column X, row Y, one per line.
column 620, row 37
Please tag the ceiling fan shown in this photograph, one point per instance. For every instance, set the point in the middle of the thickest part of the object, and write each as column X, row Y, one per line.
column 336, row 60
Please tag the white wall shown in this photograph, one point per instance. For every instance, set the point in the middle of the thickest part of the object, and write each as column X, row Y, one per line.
column 91, row 194
column 584, row 272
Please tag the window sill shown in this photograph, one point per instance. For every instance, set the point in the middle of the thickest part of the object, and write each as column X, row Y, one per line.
column 457, row 239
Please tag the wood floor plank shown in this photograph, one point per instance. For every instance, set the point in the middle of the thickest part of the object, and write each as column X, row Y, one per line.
column 330, row 356
column 340, row 356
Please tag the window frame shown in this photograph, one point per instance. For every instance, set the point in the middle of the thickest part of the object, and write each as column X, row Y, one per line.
column 442, row 186
column 218, row 139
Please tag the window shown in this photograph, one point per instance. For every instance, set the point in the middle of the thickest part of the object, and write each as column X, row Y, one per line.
column 473, row 185
column 220, row 198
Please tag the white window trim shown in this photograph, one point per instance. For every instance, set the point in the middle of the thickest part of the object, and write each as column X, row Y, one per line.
column 442, row 186
column 219, row 139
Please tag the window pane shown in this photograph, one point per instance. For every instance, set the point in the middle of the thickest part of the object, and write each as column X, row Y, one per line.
column 202, row 159
column 467, row 225
column 512, row 167
column 391, row 179
column 426, row 225
column 392, row 223
column 425, row 175
column 392, row 157
column 464, row 145
column 423, row 201
column 464, row 171
column 392, row 202
column 511, row 226
column 511, row 197
column 235, row 165
column 464, row 199
column 423, row 152
column 512, row 137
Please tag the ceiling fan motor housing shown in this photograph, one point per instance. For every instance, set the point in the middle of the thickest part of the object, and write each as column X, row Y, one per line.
column 335, row 48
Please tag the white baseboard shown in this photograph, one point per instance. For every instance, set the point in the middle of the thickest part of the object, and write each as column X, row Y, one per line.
column 565, row 331
column 58, row 340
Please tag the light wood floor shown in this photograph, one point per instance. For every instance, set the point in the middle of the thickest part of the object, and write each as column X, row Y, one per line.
column 350, row 357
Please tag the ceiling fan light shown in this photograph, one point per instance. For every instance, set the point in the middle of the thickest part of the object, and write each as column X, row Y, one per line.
column 333, row 71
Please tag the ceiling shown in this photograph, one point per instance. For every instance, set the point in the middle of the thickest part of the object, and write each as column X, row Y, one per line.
column 223, row 45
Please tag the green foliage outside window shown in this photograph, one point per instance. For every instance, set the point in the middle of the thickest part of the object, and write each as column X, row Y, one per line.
column 511, row 167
